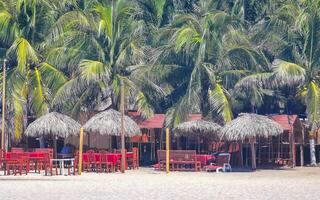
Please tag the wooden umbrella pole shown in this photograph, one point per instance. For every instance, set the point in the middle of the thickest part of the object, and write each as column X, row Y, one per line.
column 241, row 154
column 253, row 154
column 301, row 149
column 80, row 152
column 3, row 105
column 167, row 150
column 123, row 153
column 199, row 145
column 55, row 147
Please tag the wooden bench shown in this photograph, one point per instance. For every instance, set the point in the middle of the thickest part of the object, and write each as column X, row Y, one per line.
column 180, row 160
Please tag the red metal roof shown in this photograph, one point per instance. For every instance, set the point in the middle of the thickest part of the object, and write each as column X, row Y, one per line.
column 286, row 121
column 195, row 117
column 157, row 121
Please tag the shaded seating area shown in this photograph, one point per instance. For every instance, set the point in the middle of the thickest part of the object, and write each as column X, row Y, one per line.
column 37, row 160
column 247, row 127
column 108, row 161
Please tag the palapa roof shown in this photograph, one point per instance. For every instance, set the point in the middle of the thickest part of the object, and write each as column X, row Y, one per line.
column 248, row 125
column 53, row 124
column 109, row 123
column 198, row 128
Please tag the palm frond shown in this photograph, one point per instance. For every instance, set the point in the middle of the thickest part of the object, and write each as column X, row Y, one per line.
column 219, row 100
column 94, row 71
column 313, row 104
column 286, row 73
column 23, row 52
column 52, row 77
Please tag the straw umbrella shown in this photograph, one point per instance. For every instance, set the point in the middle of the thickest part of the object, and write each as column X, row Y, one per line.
column 114, row 123
column 109, row 123
column 199, row 128
column 249, row 126
column 54, row 124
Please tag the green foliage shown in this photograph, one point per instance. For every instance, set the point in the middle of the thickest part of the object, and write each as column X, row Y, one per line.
column 175, row 57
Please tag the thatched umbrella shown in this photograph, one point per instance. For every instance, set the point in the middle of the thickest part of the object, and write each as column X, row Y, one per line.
column 109, row 123
column 198, row 128
column 249, row 126
column 54, row 124
column 114, row 123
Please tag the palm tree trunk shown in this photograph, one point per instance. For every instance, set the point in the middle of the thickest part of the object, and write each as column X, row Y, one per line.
column 312, row 152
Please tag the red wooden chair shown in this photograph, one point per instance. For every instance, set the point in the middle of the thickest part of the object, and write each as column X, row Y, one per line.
column 14, row 163
column 85, row 162
column 97, row 162
column 48, row 165
column 41, row 161
column 118, row 151
column 133, row 162
column 109, row 166
column 222, row 163
column 91, row 160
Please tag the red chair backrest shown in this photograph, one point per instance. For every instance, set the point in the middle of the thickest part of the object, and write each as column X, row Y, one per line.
column 90, row 155
column 104, row 157
column 85, row 157
column 97, row 157
column 37, row 154
column 13, row 156
column 46, row 150
column 7, row 155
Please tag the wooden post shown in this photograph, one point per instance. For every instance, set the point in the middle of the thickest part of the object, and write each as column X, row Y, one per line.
column 301, row 149
column 123, row 151
column 167, row 151
column 3, row 104
column 55, row 147
column 199, row 149
column 253, row 154
column 293, row 149
column 80, row 151
column 241, row 154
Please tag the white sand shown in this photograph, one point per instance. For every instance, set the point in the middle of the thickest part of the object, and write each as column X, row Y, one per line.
column 299, row 183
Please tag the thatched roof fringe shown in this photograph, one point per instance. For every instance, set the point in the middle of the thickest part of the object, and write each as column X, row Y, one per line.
column 109, row 123
column 53, row 124
column 250, row 125
column 198, row 128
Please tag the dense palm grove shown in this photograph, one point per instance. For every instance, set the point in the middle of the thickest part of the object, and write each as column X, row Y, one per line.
column 218, row 57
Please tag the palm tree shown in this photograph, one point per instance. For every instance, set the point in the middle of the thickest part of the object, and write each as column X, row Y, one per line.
column 293, row 33
column 213, row 53
column 30, row 80
column 98, row 47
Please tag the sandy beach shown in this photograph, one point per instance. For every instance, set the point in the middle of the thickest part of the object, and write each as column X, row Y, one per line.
column 299, row 183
